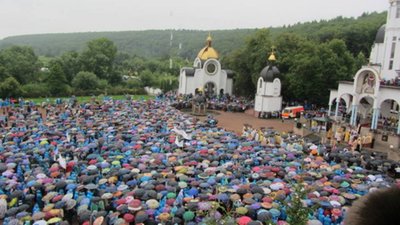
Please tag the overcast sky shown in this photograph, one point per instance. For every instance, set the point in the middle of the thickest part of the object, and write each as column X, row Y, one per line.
column 54, row 16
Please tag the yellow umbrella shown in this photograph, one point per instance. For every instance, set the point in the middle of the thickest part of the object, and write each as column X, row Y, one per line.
column 12, row 202
column 116, row 163
column 54, row 220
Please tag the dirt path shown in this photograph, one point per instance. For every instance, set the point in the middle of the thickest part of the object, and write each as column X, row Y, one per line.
column 235, row 121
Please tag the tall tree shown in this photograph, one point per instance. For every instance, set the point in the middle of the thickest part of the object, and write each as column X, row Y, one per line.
column 249, row 61
column 19, row 62
column 98, row 57
column 57, row 83
column 71, row 65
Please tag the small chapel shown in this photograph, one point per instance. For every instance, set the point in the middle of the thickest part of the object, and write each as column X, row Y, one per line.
column 206, row 75
column 268, row 96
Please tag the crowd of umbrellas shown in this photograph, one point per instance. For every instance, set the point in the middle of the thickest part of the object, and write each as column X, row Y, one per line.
column 145, row 162
column 225, row 103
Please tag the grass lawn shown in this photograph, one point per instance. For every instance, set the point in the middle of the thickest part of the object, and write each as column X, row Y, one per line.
column 87, row 98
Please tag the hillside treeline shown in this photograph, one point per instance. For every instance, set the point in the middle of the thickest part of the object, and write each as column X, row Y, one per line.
column 312, row 58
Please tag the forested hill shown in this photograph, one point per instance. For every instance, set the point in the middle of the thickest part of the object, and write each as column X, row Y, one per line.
column 358, row 34
column 149, row 43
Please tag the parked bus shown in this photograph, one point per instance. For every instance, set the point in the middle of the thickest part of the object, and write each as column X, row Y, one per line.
column 292, row 112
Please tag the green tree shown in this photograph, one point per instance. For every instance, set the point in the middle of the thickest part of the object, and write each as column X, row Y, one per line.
column 148, row 79
column 56, row 81
column 249, row 61
column 134, row 83
column 168, row 83
column 136, row 65
column 19, row 62
column 297, row 210
column 3, row 72
column 305, row 76
column 242, row 77
column 85, row 81
column 10, row 87
column 98, row 57
column 360, row 61
column 115, row 78
column 71, row 65
column 287, row 45
column 35, row 90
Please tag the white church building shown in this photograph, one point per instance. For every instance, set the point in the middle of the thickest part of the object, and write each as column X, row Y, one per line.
column 375, row 92
column 268, row 96
column 206, row 74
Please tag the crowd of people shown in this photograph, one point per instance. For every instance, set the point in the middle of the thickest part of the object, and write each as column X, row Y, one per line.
column 227, row 103
column 392, row 82
column 145, row 162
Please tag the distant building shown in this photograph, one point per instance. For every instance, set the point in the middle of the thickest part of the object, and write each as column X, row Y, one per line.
column 206, row 74
column 374, row 95
column 268, row 97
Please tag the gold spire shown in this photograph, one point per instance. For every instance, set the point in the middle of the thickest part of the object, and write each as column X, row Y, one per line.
column 208, row 52
column 209, row 39
column 272, row 55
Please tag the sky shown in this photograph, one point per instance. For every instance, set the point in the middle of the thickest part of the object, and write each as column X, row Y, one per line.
column 18, row 17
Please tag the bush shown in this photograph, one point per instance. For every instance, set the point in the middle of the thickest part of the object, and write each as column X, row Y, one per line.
column 118, row 90
column 88, row 92
column 85, row 81
column 10, row 87
column 134, row 83
column 36, row 90
column 102, row 84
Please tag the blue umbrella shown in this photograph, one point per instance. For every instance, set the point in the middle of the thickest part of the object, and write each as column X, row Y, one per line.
column 31, row 183
column 71, row 186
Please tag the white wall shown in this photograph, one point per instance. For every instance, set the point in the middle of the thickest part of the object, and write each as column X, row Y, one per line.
column 388, row 93
column 267, row 103
column 260, row 90
column 269, row 88
column 182, row 83
column 191, row 84
column 389, row 35
column 392, row 30
column 229, row 86
column 377, row 53
column 345, row 88
column 188, row 84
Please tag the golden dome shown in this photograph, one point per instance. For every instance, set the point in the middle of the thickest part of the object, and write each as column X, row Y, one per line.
column 272, row 55
column 208, row 52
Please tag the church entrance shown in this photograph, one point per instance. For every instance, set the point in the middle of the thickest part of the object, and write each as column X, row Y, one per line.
column 210, row 89
column 365, row 110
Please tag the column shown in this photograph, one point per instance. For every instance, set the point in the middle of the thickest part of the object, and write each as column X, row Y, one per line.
column 398, row 126
column 329, row 109
column 355, row 115
column 352, row 115
column 337, row 108
column 353, row 119
column 377, row 118
column 373, row 119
